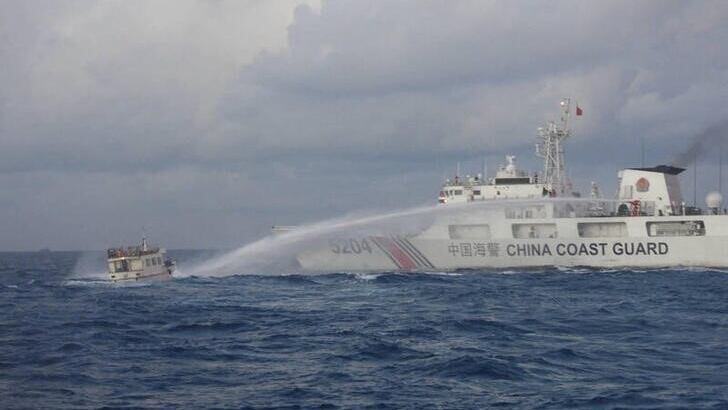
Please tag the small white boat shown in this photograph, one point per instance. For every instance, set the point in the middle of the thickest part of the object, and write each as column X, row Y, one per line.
column 138, row 262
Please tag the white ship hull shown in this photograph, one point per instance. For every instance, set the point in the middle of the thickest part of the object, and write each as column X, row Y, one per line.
column 146, row 276
column 427, row 252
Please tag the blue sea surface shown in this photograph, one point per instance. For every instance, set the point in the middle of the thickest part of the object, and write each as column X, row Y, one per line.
column 552, row 339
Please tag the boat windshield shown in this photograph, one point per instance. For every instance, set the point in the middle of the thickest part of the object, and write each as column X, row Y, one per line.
column 121, row 266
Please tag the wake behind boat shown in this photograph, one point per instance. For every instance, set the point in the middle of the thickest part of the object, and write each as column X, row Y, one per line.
column 518, row 219
column 140, row 262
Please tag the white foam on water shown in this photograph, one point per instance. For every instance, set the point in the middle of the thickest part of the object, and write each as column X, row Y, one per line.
column 444, row 273
column 91, row 265
column 275, row 254
column 366, row 276
column 88, row 282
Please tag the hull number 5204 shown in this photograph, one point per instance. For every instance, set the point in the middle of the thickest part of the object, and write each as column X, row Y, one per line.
column 356, row 246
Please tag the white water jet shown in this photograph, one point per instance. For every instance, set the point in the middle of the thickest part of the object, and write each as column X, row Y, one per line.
column 276, row 253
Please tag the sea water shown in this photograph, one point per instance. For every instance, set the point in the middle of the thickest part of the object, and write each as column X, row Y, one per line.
column 553, row 339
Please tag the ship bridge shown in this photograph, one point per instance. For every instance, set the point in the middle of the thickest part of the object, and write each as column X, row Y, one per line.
column 508, row 183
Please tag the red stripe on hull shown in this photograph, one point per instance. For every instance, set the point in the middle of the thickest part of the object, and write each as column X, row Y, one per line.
column 403, row 259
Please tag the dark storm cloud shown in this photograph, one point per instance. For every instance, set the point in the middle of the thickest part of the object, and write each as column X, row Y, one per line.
column 387, row 47
column 396, row 76
column 215, row 117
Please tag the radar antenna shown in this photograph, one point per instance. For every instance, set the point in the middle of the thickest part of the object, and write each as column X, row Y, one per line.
column 144, row 239
column 550, row 148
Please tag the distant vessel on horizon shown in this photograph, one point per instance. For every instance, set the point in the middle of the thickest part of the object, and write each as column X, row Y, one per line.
column 139, row 262
column 535, row 220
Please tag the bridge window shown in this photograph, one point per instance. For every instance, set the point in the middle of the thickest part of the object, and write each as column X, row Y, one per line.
column 121, row 266
column 676, row 228
column 478, row 231
column 531, row 231
column 513, row 181
column 602, row 229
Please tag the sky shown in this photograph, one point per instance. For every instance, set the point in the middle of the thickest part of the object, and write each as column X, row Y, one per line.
column 204, row 123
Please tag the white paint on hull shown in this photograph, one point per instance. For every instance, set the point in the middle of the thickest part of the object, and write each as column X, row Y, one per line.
column 434, row 250
column 133, row 277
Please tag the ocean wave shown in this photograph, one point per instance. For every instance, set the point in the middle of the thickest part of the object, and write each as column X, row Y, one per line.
column 477, row 367
column 548, row 338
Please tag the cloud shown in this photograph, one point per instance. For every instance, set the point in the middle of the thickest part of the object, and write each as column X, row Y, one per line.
column 91, row 78
column 390, row 75
column 332, row 106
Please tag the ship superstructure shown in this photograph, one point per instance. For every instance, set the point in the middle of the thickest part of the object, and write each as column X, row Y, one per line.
column 512, row 183
column 550, row 147
column 508, row 183
column 138, row 262
column 521, row 219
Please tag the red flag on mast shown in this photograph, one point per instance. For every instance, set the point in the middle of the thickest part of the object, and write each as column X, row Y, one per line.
column 579, row 111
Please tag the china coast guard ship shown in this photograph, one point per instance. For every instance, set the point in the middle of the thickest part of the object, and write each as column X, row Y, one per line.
column 140, row 262
column 520, row 220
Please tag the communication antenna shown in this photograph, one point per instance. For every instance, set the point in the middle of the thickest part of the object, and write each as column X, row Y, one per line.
column 550, row 148
column 144, row 238
column 695, row 178
column 720, row 167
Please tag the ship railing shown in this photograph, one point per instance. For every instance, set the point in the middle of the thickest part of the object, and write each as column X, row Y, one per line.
column 129, row 252
column 604, row 208
column 635, row 208
column 465, row 182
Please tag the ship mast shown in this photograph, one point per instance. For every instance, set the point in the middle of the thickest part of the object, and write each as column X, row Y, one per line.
column 550, row 148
